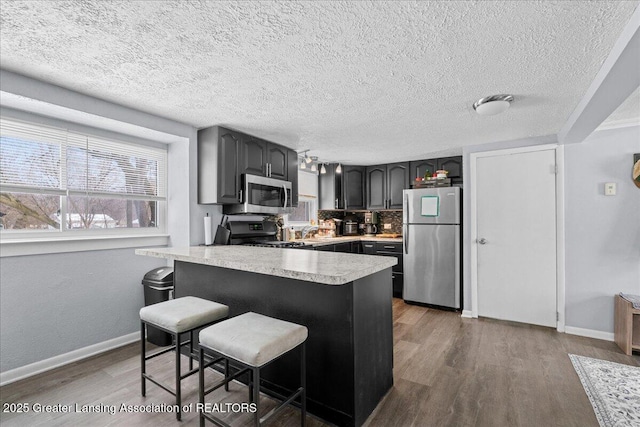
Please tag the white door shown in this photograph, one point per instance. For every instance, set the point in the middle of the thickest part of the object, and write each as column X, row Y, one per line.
column 516, row 237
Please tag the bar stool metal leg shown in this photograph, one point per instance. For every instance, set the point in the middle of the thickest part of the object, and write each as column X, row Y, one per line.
column 303, row 384
column 201, row 385
column 178, row 373
column 255, row 373
column 143, row 360
column 191, row 349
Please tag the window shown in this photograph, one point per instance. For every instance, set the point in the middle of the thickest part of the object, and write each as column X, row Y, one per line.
column 305, row 214
column 55, row 181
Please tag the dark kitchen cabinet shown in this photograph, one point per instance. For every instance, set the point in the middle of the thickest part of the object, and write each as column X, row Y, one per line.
column 393, row 249
column 263, row 158
column 342, row 247
column 344, row 190
column 376, row 187
column 353, row 186
column 253, row 156
column 218, row 178
column 225, row 154
column 292, row 175
column 326, row 248
column 277, row 159
column 385, row 184
column 330, row 189
column 369, row 248
column 451, row 164
column 397, row 181
column 420, row 167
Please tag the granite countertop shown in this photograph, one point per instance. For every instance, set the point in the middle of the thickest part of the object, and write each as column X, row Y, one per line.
column 329, row 268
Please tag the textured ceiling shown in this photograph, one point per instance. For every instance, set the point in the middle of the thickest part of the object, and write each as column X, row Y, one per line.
column 354, row 81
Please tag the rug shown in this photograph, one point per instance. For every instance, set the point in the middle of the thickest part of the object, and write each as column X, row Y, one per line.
column 612, row 388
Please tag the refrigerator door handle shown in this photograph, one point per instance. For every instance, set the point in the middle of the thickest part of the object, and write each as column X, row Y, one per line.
column 405, row 232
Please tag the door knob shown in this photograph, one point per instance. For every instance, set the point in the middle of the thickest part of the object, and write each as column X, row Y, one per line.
column 482, row 241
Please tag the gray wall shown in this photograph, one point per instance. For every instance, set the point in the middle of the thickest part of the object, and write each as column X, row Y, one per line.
column 602, row 232
column 53, row 304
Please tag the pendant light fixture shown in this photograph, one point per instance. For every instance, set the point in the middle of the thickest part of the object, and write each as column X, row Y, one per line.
column 305, row 157
column 492, row 105
column 339, row 168
column 323, row 170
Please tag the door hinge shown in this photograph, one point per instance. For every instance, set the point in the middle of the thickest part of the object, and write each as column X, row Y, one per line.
column 557, row 315
column 555, row 169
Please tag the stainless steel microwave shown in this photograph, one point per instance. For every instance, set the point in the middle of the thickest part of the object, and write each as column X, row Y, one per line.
column 261, row 195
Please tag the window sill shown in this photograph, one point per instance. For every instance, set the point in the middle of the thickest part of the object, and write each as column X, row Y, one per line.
column 41, row 246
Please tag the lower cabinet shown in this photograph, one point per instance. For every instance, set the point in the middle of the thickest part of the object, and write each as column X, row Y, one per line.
column 342, row 247
column 346, row 247
column 388, row 249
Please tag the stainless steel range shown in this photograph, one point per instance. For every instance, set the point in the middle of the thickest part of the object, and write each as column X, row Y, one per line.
column 257, row 233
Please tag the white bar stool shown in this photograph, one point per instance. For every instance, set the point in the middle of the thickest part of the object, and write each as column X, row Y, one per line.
column 177, row 317
column 252, row 341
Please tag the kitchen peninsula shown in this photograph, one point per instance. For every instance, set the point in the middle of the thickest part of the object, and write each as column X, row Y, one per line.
column 344, row 300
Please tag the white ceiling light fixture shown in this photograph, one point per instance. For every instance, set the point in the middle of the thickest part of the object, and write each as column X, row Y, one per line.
column 314, row 163
column 307, row 159
column 492, row 105
column 339, row 168
column 323, row 170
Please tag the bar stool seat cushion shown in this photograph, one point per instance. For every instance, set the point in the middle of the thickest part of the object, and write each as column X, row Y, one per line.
column 183, row 314
column 253, row 338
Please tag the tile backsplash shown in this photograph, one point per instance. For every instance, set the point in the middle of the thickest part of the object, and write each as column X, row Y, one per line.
column 384, row 217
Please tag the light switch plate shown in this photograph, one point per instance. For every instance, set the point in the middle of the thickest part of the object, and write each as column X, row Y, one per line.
column 610, row 189
column 387, row 226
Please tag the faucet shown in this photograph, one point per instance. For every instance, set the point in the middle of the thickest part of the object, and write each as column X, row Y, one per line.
column 307, row 229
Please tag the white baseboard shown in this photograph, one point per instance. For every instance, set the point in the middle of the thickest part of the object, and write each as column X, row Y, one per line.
column 467, row 314
column 589, row 333
column 66, row 358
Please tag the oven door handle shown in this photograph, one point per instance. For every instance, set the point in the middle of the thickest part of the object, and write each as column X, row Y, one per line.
column 286, row 197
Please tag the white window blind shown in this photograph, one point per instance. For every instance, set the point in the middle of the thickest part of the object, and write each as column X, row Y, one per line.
column 100, row 183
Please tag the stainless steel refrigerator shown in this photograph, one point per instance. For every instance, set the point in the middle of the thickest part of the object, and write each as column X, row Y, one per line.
column 431, row 244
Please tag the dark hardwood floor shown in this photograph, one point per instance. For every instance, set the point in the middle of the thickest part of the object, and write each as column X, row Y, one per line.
column 448, row 371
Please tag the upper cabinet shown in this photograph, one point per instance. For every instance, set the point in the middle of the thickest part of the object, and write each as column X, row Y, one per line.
column 253, row 156
column 263, row 158
column 376, row 187
column 420, row 167
column 397, row 181
column 385, row 184
column 330, row 189
column 342, row 190
column 218, row 179
column 451, row 164
column 353, row 185
column 292, row 174
column 277, row 160
column 224, row 155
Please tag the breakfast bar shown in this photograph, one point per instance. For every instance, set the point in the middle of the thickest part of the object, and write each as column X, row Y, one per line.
column 343, row 299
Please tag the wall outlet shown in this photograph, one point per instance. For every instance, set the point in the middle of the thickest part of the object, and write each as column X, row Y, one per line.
column 387, row 226
column 610, row 189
